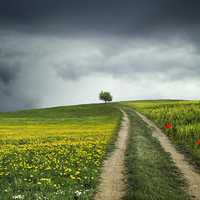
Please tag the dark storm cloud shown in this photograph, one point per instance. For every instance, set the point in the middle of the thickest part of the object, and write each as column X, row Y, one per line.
column 7, row 73
column 140, row 17
column 11, row 72
column 48, row 47
column 181, row 11
column 9, row 67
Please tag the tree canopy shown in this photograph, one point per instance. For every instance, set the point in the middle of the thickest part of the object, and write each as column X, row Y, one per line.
column 105, row 96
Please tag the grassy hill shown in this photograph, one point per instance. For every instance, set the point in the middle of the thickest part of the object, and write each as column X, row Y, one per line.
column 54, row 153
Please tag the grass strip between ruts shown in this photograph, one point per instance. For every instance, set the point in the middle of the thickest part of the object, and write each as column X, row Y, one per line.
column 151, row 174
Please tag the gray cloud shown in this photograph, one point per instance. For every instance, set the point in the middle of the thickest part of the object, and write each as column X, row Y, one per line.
column 7, row 73
column 12, row 96
column 169, row 62
column 8, row 76
column 41, row 71
column 64, row 52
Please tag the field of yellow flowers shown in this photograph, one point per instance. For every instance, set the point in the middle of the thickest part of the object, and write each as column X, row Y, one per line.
column 54, row 153
column 180, row 120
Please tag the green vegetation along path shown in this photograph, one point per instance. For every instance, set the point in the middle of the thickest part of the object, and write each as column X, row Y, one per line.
column 192, row 177
column 112, row 186
column 145, row 166
column 151, row 173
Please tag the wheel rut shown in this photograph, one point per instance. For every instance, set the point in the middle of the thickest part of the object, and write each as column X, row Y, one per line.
column 112, row 185
column 188, row 171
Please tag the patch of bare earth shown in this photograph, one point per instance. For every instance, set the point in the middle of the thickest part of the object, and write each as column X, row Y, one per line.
column 112, row 185
column 191, row 176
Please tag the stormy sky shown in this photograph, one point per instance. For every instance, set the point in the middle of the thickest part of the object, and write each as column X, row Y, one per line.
column 65, row 52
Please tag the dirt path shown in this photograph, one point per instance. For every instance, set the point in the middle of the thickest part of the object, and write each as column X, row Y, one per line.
column 112, row 184
column 192, row 177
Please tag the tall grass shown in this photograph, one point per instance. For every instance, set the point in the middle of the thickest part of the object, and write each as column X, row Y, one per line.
column 184, row 116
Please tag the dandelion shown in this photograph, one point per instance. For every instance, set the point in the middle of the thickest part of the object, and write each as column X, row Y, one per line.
column 46, row 179
column 72, row 177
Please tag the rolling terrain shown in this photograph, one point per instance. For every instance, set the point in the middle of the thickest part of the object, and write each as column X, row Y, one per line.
column 101, row 151
column 54, row 153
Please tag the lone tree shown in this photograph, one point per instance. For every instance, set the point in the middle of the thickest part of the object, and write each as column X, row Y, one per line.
column 105, row 96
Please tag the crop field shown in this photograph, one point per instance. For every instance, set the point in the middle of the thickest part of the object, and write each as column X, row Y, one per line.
column 180, row 120
column 54, row 153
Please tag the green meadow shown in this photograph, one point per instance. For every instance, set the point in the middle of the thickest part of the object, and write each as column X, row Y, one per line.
column 54, row 153
column 57, row 153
